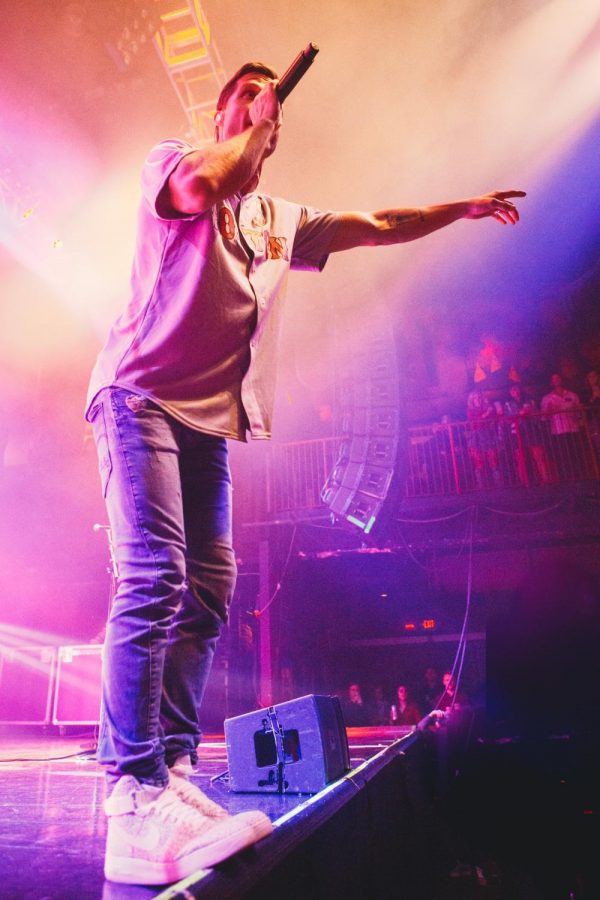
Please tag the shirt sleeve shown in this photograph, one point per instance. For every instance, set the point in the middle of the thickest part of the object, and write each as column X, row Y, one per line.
column 159, row 164
column 313, row 238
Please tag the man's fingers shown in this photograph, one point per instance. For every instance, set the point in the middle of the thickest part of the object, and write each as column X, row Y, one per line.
column 498, row 205
column 506, row 216
column 511, row 214
column 266, row 104
column 504, row 195
column 506, row 212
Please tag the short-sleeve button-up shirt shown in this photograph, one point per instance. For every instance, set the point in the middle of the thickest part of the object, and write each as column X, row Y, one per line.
column 199, row 334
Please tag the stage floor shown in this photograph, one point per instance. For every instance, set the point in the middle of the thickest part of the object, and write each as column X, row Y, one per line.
column 52, row 827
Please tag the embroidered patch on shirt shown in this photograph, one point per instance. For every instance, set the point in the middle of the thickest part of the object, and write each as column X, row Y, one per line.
column 263, row 242
column 226, row 223
column 255, row 239
column 277, row 248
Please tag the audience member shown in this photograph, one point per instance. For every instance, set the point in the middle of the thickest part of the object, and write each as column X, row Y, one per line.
column 593, row 402
column 355, row 711
column 451, row 699
column 593, row 382
column 482, row 438
column 564, row 412
column 404, row 711
column 526, row 432
column 380, row 711
column 431, row 690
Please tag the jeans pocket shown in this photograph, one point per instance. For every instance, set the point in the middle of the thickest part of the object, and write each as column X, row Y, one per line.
column 100, row 437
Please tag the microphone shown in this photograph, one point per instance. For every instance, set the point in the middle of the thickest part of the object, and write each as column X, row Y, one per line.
column 294, row 73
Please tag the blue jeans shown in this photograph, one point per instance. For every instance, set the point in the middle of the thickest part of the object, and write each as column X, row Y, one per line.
column 168, row 495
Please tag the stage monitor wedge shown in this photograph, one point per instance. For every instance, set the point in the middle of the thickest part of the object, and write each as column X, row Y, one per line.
column 298, row 747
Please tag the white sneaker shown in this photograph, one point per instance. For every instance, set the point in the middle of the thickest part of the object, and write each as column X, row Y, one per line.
column 191, row 795
column 183, row 765
column 155, row 838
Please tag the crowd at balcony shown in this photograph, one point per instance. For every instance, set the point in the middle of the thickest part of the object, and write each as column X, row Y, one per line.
column 516, row 437
column 512, row 439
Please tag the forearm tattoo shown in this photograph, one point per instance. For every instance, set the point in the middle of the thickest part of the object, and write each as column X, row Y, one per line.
column 394, row 219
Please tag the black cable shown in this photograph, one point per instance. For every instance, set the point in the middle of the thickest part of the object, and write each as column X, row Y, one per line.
column 43, row 758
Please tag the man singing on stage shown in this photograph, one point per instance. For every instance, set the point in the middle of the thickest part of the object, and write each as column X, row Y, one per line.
column 189, row 364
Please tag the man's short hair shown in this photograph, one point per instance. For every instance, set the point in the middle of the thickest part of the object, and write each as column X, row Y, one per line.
column 228, row 89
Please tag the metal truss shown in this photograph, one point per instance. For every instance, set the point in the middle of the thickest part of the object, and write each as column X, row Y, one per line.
column 192, row 61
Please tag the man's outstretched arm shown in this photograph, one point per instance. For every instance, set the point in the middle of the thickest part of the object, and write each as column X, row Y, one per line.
column 395, row 226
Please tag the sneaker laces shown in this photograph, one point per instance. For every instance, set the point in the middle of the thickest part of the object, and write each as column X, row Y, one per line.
column 169, row 808
column 196, row 798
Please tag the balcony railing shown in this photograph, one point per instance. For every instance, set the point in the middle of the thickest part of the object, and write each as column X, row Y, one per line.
column 502, row 452
column 440, row 460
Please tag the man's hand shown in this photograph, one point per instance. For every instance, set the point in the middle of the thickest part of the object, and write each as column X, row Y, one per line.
column 266, row 105
column 267, row 108
column 497, row 205
column 234, row 163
